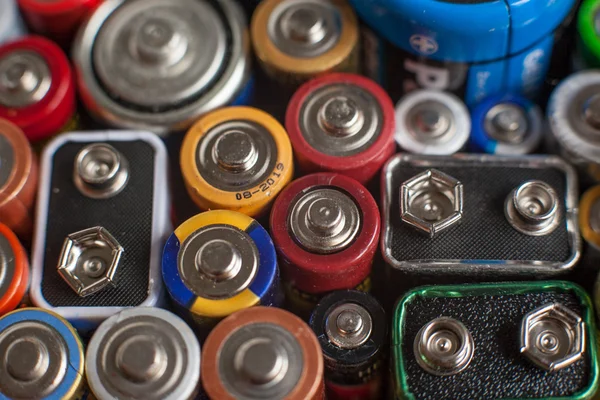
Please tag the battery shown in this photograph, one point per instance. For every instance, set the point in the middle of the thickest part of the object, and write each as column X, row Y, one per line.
column 589, row 217
column 159, row 64
column 262, row 353
column 37, row 90
column 106, row 255
column 506, row 124
column 236, row 158
column 536, row 339
column 325, row 228
column 58, row 19
column 295, row 40
column 18, row 180
column 143, row 352
column 42, row 356
column 219, row 262
column 11, row 24
column 341, row 123
column 352, row 330
column 422, row 45
column 574, row 120
column 588, row 29
column 15, row 267
column 432, row 122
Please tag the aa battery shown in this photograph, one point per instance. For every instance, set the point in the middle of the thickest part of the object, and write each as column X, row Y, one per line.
column 14, row 263
column 58, row 19
column 432, row 122
column 262, row 353
column 297, row 40
column 11, row 24
column 352, row 330
column 37, row 88
column 325, row 228
column 158, row 64
column 236, row 158
column 506, row 124
column 145, row 353
column 588, row 29
column 43, row 356
column 341, row 123
column 18, row 180
column 219, row 262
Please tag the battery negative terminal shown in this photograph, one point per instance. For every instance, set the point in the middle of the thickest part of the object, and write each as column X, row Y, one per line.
column 89, row 260
column 431, row 201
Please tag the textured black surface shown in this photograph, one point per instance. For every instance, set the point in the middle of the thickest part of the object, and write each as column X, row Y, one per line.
column 483, row 232
column 127, row 216
column 497, row 369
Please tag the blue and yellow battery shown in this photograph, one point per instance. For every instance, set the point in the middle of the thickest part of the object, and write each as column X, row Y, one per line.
column 508, row 124
column 219, row 262
column 42, row 357
column 474, row 48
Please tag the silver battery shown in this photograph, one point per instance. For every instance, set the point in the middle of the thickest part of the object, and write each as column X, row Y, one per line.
column 515, row 130
column 160, row 64
column 432, row 122
column 143, row 353
column 340, row 119
column 260, row 361
column 574, row 119
column 218, row 261
column 348, row 326
column 304, row 28
column 324, row 220
column 25, row 78
column 11, row 24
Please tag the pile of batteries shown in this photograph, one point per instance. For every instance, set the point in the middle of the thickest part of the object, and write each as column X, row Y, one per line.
column 189, row 198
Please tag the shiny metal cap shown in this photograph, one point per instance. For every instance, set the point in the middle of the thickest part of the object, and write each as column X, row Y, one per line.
column 7, row 160
column 431, row 201
column 143, row 353
column 100, row 171
column 444, row 346
column 348, row 326
column 159, row 64
column 507, row 123
column 304, row 28
column 34, row 360
column 324, row 220
column 533, row 208
column 340, row 119
column 89, row 260
column 218, row 261
column 236, row 155
column 7, row 265
column 552, row 337
column 25, row 78
column 260, row 361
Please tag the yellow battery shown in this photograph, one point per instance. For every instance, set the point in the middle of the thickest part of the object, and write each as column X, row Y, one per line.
column 297, row 40
column 238, row 159
column 589, row 216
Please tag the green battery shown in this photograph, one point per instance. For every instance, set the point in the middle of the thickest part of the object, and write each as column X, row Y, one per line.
column 588, row 28
column 515, row 340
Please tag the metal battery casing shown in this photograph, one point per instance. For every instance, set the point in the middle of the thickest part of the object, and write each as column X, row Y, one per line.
column 482, row 245
column 493, row 314
column 177, row 85
column 137, row 217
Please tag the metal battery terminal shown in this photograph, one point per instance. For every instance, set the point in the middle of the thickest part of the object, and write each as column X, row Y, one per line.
column 100, row 171
column 533, row 208
column 89, row 260
column 552, row 337
column 431, row 201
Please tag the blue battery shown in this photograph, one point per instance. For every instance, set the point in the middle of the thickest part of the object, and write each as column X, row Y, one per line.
column 43, row 357
column 506, row 124
column 474, row 49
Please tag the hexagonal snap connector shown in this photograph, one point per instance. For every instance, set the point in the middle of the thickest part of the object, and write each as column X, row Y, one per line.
column 431, row 201
column 552, row 337
column 89, row 260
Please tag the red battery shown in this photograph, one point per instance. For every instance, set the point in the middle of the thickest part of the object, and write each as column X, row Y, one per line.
column 37, row 90
column 325, row 228
column 15, row 267
column 18, row 179
column 56, row 19
column 341, row 123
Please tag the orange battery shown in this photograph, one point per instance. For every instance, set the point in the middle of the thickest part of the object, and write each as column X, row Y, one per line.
column 15, row 266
